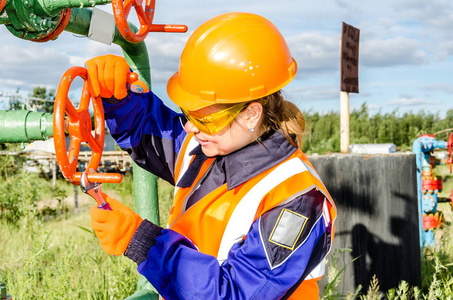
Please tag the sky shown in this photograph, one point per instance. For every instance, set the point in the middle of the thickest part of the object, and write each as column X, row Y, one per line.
column 405, row 51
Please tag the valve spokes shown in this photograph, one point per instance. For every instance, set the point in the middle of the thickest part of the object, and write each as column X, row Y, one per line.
column 145, row 14
column 79, row 126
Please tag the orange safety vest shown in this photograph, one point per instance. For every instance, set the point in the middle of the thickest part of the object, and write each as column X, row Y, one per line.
column 223, row 217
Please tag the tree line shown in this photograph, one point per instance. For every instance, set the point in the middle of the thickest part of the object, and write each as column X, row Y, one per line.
column 41, row 99
column 322, row 131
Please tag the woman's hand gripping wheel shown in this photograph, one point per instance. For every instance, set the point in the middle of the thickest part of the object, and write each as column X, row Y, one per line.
column 77, row 123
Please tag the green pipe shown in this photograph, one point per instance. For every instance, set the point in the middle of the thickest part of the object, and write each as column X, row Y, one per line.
column 135, row 54
column 37, row 20
column 54, row 7
column 23, row 126
column 3, row 16
column 145, row 183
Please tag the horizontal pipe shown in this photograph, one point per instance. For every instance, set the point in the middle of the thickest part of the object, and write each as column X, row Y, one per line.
column 52, row 8
column 23, row 126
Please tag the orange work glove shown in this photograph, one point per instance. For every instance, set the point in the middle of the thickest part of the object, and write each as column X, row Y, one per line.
column 108, row 75
column 114, row 228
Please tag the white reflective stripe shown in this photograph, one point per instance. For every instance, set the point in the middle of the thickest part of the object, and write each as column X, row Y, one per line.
column 185, row 161
column 316, row 175
column 312, row 171
column 326, row 213
column 242, row 217
column 318, row 271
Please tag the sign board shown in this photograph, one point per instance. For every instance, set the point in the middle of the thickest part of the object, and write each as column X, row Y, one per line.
column 350, row 59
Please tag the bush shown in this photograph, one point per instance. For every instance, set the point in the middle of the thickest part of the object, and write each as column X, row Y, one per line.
column 18, row 196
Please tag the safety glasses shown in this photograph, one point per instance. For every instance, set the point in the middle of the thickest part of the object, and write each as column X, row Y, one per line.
column 215, row 122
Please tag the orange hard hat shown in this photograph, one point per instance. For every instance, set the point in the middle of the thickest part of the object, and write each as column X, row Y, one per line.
column 234, row 57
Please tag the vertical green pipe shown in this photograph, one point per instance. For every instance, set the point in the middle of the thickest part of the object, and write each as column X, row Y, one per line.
column 135, row 54
column 145, row 183
column 145, row 194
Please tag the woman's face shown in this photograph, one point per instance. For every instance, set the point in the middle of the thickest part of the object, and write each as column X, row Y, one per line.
column 233, row 137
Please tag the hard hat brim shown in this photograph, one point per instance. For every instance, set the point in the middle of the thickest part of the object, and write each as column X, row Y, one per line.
column 182, row 98
column 191, row 102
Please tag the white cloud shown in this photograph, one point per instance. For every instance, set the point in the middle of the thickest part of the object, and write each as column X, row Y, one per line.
column 405, row 100
column 444, row 87
column 445, row 50
column 392, row 52
column 315, row 52
column 405, row 36
column 164, row 53
column 436, row 13
column 318, row 53
column 23, row 67
column 315, row 93
column 433, row 21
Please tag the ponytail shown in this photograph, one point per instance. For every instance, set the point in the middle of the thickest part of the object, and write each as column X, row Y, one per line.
column 283, row 115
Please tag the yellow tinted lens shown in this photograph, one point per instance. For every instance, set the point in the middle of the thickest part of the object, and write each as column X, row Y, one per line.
column 214, row 123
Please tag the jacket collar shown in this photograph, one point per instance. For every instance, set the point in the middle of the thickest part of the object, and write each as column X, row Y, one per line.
column 251, row 160
column 256, row 158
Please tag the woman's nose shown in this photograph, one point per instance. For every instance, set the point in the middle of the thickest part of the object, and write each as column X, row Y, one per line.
column 189, row 127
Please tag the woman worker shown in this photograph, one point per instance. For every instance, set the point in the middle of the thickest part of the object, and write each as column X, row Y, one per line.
column 251, row 218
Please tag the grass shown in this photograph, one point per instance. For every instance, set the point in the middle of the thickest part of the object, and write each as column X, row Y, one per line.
column 60, row 258
column 57, row 256
column 437, row 277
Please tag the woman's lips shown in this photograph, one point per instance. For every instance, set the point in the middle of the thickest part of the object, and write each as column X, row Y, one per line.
column 203, row 142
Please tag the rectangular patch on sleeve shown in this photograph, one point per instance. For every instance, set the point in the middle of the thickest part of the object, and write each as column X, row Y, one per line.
column 287, row 229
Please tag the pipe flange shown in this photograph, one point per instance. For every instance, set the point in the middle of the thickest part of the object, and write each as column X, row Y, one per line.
column 62, row 23
column 45, row 29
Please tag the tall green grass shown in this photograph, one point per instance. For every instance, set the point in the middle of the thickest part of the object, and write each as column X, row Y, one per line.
column 57, row 256
column 58, row 260
column 61, row 258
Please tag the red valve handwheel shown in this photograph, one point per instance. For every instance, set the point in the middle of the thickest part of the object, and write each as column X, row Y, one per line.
column 145, row 17
column 450, row 146
column 78, row 125
column 2, row 5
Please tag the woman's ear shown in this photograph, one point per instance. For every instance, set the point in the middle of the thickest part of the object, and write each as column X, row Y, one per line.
column 253, row 114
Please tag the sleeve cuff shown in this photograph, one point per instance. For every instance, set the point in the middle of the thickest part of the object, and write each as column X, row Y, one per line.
column 143, row 239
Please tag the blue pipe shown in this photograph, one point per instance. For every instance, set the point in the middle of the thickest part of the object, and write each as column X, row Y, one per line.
column 422, row 147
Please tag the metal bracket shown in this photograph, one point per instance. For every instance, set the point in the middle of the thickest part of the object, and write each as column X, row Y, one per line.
column 102, row 26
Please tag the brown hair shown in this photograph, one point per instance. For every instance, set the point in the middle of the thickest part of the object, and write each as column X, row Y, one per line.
column 280, row 114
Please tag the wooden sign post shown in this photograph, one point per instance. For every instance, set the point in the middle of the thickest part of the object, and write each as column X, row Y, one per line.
column 349, row 78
